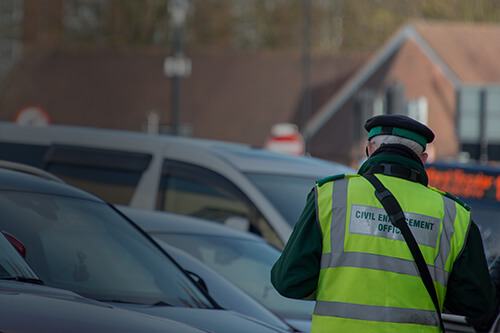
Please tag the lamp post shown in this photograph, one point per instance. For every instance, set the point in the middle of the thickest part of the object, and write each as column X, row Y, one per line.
column 177, row 66
column 306, row 68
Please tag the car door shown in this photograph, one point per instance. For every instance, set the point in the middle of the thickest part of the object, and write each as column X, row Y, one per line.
column 193, row 190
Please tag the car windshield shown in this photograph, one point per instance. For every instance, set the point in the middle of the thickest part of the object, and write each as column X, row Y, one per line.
column 287, row 193
column 246, row 263
column 486, row 218
column 12, row 265
column 87, row 247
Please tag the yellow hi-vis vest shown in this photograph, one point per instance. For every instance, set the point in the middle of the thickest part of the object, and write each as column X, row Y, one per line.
column 368, row 280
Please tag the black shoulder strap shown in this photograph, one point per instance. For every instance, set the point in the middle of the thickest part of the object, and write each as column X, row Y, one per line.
column 393, row 209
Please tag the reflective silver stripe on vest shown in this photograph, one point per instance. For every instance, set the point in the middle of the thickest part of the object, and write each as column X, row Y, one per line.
column 339, row 209
column 376, row 313
column 339, row 213
column 339, row 258
column 381, row 262
column 450, row 214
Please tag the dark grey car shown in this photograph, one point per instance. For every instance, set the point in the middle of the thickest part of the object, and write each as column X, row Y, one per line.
column 78, row 242
column 28, row 306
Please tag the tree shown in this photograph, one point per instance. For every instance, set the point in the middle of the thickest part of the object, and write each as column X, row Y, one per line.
column 258, row 24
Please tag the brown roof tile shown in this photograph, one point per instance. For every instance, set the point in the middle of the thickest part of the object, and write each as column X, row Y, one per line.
column 470, row 50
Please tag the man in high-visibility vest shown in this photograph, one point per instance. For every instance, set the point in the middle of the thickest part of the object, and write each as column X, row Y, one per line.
column 345, row 253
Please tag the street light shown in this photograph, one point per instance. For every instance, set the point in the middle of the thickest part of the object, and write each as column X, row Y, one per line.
column 178, row 11
column 177, row 66
column 306, row 68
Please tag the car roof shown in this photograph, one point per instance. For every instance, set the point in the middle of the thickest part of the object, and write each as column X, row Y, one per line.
column 242, row 156
column 154, row 221
column 257, row 160
column 20, row 181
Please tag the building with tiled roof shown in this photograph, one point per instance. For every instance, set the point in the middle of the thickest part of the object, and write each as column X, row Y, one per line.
column 443, row 73
column 446, row 73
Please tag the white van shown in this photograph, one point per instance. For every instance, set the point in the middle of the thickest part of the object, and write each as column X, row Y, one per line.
column 235, row 184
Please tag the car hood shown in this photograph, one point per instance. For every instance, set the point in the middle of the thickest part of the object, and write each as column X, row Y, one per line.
column 34, row 308
column 216, row 320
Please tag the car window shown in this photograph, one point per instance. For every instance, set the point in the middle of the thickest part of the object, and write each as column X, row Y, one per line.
column 487, row 218
column 23, row 153
column 89, row 248
column 110, row 174
column 245, row 263
column 191, row 190
column 115, row 186
column 287, row 193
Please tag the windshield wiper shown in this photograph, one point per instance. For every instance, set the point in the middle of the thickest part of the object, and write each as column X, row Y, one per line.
column 118, row 301
column 23, row 279
column 159, row 303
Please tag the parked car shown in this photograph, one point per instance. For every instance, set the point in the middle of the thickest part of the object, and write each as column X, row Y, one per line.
column 241, row 257
column 76, row 241
column 224, row 292
column 29, row 306
column 246, row 187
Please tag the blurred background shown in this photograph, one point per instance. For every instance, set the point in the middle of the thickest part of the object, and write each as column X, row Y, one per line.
column 234, row 69
column 295, row 76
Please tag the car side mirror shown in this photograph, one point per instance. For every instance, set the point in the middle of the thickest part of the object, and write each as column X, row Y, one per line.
column 238, row 222
column 16, row 243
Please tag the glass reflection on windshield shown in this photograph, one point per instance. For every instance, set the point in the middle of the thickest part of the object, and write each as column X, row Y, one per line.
column 487, row 219
column 87, row 247
column 245, row 263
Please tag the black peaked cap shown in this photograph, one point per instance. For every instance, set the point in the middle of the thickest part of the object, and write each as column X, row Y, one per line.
column 388, row 122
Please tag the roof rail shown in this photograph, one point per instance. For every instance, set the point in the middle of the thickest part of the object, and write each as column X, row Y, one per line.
column 29, row 170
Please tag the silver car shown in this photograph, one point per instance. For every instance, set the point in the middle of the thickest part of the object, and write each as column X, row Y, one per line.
column 236, row 184
column 242, row 258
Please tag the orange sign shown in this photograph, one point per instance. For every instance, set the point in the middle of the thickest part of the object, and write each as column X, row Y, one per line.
column 465, row 184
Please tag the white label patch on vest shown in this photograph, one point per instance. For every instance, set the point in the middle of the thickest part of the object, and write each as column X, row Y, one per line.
column 374, row 221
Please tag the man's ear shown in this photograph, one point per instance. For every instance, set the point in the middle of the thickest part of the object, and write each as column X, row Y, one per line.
column 424, row 156
column 369, row 148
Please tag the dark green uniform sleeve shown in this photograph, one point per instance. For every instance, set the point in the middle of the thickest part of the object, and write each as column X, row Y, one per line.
column 483, row 323
column 470, row 291
column 295, row 273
